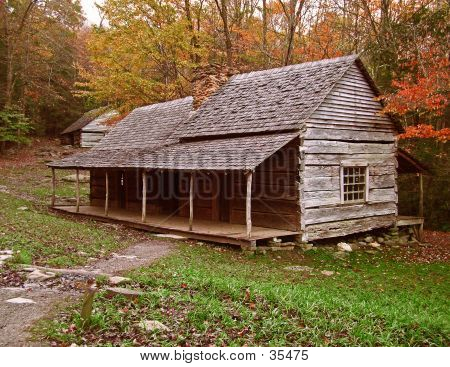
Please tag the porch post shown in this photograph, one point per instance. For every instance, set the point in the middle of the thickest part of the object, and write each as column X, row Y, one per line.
column 248, row 204
column 53, row 187
column 106, row 193
column 420, row 195
column 144, row 195
column 191, row 200
column 78, row 189
column 421, row 206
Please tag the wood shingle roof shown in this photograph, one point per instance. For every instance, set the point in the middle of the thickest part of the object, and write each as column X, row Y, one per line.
column 85, row 119
column 240, row 153
column 268, row 100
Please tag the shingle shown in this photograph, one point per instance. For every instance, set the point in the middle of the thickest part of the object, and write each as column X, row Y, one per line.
column 148, row 127
column 268, row 100
column 221, row 154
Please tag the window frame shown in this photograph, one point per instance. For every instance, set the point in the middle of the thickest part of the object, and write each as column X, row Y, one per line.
column 354, row 164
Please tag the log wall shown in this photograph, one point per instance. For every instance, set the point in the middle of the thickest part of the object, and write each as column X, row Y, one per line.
column 347, row 126
column 91, row 138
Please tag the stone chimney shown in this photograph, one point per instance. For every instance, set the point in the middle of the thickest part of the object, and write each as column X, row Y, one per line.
column 207, row 79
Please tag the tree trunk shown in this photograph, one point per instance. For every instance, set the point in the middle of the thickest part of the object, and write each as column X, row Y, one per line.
column 223, row 11
column 264, row 32
column 194, row 42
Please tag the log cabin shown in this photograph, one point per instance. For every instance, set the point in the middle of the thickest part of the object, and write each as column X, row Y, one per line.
column 90, row 128
column 301, row 152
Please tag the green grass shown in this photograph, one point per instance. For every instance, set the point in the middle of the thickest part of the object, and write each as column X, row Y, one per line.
column 35, row 182
column 208, row 296
column 47, row 239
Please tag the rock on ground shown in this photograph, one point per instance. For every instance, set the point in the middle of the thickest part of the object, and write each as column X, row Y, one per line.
column 20, row 300
column 327, row 272
column 116, row 280
column 150, row 325
column 343, row 246
column 38, row 275
column 127, row 293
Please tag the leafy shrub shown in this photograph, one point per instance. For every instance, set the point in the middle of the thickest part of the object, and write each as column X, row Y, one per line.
column 14, row 127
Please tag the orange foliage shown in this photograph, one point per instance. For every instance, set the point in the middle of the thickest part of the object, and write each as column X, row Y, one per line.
column 425, row 131
column 426, row 91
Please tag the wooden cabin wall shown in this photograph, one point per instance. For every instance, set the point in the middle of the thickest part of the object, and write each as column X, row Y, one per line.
column 161, row 190
column 275, row 192
column 89, row 139
column 97, row 187
column 206, row 194
column 348, row 125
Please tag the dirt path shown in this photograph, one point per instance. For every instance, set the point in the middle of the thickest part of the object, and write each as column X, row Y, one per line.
column 38, row 300
column 17, row 318
column 140, row 254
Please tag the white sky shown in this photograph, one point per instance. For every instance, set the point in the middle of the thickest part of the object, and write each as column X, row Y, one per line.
column 90, row 11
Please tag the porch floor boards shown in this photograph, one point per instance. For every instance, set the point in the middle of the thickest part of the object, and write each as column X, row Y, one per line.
column 207, row 230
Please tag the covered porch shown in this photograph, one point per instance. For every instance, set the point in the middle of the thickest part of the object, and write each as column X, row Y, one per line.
column 222, row 191
column 207, row 230
column 408, row 165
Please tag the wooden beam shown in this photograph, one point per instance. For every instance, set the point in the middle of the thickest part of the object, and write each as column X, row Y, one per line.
column 77, row 174
column 144, row 195
column 420, row 195
column 191, row 201
column 420, row 236
column 53, row 187
column 248, row 204
column 107, row 193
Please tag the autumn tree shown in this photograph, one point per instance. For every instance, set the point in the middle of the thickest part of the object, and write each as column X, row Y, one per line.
column 37, row 59
column 144, row 55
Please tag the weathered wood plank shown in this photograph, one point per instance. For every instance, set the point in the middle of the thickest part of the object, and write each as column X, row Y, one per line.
column 248, row 204
column 336, row 117
column 77, row 189
column 321, row 183
column 332, row 183
column 344, row 97
column 332, row 214
column 106, row 193
column 381, row 181
column 191, row 200
column 144, row 195
column 339, row 102
column 346, row 227
column 320, row 124
column 338, row 147
column 333, row 171
column 335, row 159
column 333, row 197
column 320, row 171
column 321, row 198
column 383, row 195
column 331, row 133
column 352, row 113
